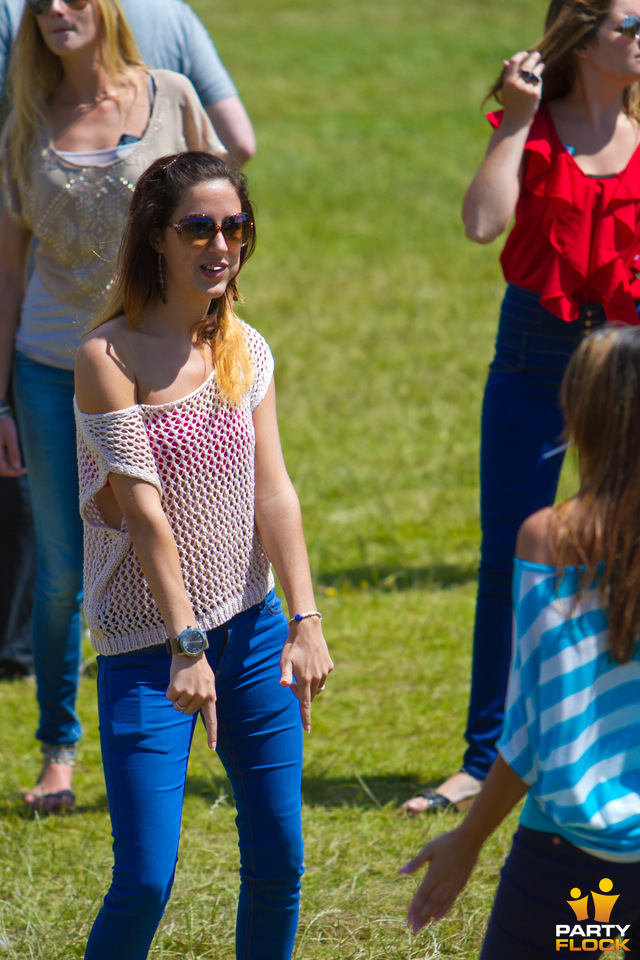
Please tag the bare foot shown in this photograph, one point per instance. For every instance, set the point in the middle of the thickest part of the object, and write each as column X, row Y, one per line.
column 461, row 790
column 55, row 777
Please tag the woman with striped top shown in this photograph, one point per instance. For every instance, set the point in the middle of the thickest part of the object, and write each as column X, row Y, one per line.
column 571, row 738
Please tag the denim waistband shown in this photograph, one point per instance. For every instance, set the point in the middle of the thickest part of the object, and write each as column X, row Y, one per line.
column 525, row 313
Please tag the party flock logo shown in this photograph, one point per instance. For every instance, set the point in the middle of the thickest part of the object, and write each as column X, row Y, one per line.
column 597, row 935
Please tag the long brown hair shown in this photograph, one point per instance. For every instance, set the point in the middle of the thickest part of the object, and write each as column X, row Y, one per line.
column 156, row 196
column 36, row 71
column 600, row 396
column 569, row 24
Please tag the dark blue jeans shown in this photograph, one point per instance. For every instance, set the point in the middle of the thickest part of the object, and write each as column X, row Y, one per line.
column 145, row 749
column 521, row 418
column 542, row 873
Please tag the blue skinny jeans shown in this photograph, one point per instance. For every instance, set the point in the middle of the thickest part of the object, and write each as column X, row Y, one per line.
column 145, row 749
column 44, row 405
column 521, row 419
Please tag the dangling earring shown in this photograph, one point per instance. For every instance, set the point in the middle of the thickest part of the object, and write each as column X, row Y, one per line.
column 160, row 280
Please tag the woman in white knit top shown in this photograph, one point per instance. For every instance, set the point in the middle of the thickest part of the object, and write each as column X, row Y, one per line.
column 185, row 500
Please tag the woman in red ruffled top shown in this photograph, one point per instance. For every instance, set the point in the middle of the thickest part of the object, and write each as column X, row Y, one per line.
column 564, row 156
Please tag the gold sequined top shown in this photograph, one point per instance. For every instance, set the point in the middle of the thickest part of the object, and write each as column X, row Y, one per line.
column 78, row 213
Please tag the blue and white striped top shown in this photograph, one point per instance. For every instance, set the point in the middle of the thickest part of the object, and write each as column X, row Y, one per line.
column 572, row 720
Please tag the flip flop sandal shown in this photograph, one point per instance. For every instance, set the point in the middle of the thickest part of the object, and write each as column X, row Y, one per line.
column 438, row 803
column 61, row 802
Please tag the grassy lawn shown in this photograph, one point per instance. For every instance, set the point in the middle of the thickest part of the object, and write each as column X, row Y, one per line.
column 381, row 317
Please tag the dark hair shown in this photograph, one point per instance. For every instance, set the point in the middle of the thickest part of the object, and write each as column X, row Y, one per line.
column 155, row 198
column 600, row 398
column 569, row 24
column 157, row 194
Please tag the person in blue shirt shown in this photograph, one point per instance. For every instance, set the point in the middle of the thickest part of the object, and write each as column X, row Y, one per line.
column 571, row 737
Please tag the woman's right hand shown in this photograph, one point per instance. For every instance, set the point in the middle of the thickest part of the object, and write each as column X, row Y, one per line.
column 521, row 94
column 493, row 194
column 10, row 459
column 192, row 687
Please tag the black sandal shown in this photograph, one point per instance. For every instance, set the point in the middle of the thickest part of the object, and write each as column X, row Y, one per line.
column 61, row 802
column 438, row 803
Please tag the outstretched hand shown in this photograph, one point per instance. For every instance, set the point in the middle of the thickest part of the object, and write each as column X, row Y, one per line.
column 451, row 860
column 192, row 687
column 305, row 664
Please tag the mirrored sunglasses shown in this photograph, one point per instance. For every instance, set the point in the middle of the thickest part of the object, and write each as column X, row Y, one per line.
column 39, row 7
column 630, row 27
column 197, row 230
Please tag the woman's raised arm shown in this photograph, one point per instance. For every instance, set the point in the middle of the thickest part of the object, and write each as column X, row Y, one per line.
column 491, row 199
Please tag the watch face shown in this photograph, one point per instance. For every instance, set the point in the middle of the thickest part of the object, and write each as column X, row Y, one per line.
column 192, row 642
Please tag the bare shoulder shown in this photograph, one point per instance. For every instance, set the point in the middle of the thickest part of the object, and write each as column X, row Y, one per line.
column 534, row 538
column 105, row 377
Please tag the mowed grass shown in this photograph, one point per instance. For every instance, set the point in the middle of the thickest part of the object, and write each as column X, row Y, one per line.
column 381, row 317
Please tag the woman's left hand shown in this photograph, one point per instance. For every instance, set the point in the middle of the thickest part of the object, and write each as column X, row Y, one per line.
column 305, row 664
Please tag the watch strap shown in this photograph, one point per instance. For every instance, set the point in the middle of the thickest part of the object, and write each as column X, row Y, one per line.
column 173, row 644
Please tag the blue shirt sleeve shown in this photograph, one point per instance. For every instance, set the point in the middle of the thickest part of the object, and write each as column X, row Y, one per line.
column 202, row 63
column 171, row 37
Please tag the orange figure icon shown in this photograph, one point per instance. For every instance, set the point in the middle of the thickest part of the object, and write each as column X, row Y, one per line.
column 579, row 906
column 603, row 903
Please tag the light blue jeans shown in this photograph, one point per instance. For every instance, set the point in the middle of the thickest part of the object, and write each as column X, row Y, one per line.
column 44, row 404
column 145, row 748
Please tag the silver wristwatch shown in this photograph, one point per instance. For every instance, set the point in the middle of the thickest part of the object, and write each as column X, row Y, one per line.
column 191, row 642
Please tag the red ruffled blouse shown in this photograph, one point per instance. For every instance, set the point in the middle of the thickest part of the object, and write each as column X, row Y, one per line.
column 576, row 238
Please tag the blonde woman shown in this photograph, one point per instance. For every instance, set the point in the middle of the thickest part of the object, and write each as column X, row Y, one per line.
column 88, row 118
column 185, row 500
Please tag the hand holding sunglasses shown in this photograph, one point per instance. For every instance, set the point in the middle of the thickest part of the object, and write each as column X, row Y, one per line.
column 198, row 230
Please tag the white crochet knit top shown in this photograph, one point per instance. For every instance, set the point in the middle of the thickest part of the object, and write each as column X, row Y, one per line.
column 199, row 453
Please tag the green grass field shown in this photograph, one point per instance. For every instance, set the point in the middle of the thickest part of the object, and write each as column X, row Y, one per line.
column 381, row 317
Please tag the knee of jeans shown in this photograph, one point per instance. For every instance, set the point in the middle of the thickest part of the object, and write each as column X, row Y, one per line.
column 137, row 896
column 494, row 582
column 59, row 583
column 278, row 861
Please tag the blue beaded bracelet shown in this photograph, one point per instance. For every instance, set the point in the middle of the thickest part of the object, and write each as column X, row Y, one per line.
column 305, row 616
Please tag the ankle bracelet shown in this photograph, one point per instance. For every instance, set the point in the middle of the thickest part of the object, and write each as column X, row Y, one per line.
column 65, row 753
